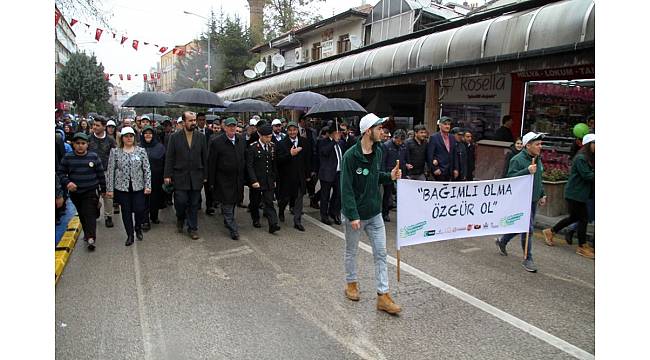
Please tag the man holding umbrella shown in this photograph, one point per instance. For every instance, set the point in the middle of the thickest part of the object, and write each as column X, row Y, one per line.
column 186, row 166
column 331, row 156
column 294, row 165
column 226, row 164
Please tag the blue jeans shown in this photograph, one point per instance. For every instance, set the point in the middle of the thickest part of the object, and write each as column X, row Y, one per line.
column 507, row 237
column 187, row 203
column 374, row 228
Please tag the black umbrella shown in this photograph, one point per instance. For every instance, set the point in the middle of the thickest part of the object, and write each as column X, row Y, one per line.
column 301, row 100
column 196, row 97
column 156, row 117
column 147, row 100
column 226, row 103
column 337, row 107
column 249, row 105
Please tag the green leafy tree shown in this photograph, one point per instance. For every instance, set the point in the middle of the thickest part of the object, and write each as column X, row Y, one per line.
column 82, row 80
column 229, row 56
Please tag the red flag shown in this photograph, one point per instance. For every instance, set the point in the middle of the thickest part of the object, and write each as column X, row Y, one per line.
column 157, row 75
column 106, row 77
column 135, row 44
column 151, row 76
column 175, row 51
column 123, row 39
column 144, row 76
column 98, row 33
column 128, row 76
column 72, row 22
column 180, row 52
column 163, row 49
column 57, row 16
column 121, row 77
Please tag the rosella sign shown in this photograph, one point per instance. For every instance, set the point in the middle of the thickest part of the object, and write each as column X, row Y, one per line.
column 479, row 89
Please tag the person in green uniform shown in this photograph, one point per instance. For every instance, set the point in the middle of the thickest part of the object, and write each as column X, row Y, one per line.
column 578, row 191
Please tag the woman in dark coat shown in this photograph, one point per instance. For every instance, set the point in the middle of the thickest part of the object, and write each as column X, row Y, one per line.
column 156, row 154
column 514, row 150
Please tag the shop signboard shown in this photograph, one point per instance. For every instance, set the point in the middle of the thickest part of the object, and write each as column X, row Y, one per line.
column 487, row 89
column 327, row 48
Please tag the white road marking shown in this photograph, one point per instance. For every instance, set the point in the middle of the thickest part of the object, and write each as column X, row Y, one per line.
column 469, row 250
column 502, row 315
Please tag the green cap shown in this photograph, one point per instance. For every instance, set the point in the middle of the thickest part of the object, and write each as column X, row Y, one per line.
column 148, row 127
column 80, row 135
column 230, row 121
column 292, row 123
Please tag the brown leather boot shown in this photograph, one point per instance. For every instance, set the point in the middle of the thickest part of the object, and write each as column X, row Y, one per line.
column 548, row 237
column 386, row 303
column 352, row 291
column 586, row 251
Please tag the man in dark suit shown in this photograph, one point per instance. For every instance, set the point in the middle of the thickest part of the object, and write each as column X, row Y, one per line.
column 294, row 167
column 440, row 152
column 226, row 164
column 203, row 128
column 347, row 140
column 504, row 133
column 186, row 166
column 330, row 158
column 261, row 164
column 460, row 154
column 305, row 130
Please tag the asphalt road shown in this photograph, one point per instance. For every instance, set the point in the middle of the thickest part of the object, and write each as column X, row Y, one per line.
column 281, row 297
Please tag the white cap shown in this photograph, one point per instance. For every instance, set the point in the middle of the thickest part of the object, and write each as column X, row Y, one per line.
column 127, row 130
column 253, row 121
column 369, row 121
column 145, row 117
column 110, row 123
column 588, row 138
column 180, row 120
column 276, row 122
column 531, row 136
column 256, row 117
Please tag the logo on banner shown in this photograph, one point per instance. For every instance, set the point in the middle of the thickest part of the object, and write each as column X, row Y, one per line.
column 511, row 220
column 410, row 230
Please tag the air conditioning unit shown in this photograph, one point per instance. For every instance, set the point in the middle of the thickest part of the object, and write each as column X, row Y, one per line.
column 299, row 55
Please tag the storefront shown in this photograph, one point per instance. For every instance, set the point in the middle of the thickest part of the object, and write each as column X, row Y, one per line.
column 477, row 103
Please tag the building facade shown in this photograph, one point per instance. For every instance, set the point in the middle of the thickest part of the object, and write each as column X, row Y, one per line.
column 65, row 44
column 168, row 67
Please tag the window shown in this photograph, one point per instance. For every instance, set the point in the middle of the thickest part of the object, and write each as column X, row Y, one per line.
column 343, row 44
column 316, row 51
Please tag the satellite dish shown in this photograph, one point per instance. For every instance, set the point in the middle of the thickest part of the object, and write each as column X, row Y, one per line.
column 355, row 41
column 250, row 74
column 278, row 60
column 260, row 67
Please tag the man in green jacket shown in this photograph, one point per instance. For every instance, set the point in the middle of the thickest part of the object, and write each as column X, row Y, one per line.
column 361, row 208
column 524, row 163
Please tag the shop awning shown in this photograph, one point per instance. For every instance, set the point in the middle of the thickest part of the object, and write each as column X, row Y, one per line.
column 555, row 25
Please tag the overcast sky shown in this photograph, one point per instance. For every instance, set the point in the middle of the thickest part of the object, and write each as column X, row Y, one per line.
column 162, row 23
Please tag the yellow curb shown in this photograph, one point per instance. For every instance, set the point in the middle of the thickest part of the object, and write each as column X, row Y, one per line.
column 65, row 246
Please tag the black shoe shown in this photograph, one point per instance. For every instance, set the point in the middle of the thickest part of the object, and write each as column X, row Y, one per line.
column 179, row 226
column 108, row 222
column 209, row 211
column 299, row 227
column 273, row 228
column 234, row 236
column 155, row 221
column 337, row 220
column 91, row 244
column 386, row 218
column 116, row 210
column 139, row 235
column 129, row 240
column 569, row 237
column 501, row 247
column 325, row 221
column 281, row 216
column 256, row 223
column 146, row 227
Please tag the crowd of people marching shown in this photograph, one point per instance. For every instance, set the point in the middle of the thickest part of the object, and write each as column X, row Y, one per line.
column 138, row 167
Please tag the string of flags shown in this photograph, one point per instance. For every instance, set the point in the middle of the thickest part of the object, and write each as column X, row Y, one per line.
column 135, row 44
column 150, row 76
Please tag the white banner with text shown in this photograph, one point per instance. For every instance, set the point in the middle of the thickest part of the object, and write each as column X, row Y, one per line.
column 429, row 211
